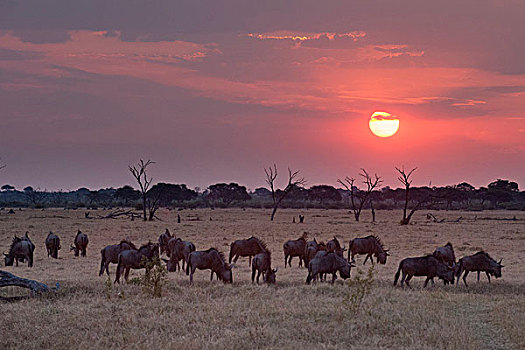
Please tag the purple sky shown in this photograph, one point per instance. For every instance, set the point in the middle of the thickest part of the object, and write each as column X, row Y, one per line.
column 216, row 91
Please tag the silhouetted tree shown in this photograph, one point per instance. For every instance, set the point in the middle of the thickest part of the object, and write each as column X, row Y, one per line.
column 277, row 197
column 7, row 187
column 227, row 193
column 168, row 193
column 34, row 197
column 501, row 191
column 324, row 193
column 418, row 196
column 139, row 172
column 127, row 193
column 358, row 198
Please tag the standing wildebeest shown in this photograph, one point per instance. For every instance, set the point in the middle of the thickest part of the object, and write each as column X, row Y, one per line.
column 295, row 248
column 81, row 242
column 52, row 245
column 210, row 259
column 178, row 250
column 262, row 263
column 328, row 262
column 478, row 262
column 20, row 249
column 134, row 259
column 424, row 266
column 445, row 254
column 163, row 242
column 370, row 245
column 111, row 252
column 245, row 247
column 312, row 247
column 333, row 245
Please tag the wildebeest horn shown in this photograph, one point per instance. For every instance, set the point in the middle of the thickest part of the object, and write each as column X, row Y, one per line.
column 275, row 270
column 6, row 254
column 499, row 262
column 165, row 260
column 344, row 249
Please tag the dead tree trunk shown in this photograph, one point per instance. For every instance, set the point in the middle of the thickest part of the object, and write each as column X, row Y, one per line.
column 404, row 178
column 293, row 182
column 139, row 172
column 8, row 279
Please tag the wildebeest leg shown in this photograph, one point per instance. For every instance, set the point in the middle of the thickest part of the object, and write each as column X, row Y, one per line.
column 478, row 276
column 126, row 274
column 488, row 276
column 432, row 280
column 403, row 276
column 258, row 275
column 285, row 259
column 253, row 274
column 465, row 278
column 191, row 273
column 107, row 267
column 308, row 278
column 290, row 261
column 426, row 282
column 334, row 277
column 407, row 281
column 366, row 258
column 249, row 260
column 211, row 276
column 300, row 262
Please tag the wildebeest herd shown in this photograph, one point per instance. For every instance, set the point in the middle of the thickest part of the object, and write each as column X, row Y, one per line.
column 319, row 258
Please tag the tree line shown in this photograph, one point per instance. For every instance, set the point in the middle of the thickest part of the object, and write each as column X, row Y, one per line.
column 364, row 192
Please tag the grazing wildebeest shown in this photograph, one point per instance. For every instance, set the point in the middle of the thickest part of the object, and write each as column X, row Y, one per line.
column 135, row 259
column 80, row 244
column 370, row 245
column 328, row 262
column 262, row 263
column 312, row 247
column 424, row 266
column 245, row 247
column 210, row 259
column 110, row 254
column 178, row 250
column 52, row 245
column 478, row 262
column 445, row 254
column 163, row 242
column 333, row 245
column 295, row 248
column 20, row 249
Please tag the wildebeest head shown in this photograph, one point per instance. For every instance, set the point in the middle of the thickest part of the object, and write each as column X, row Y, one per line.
column 446, row 272
column 227, row 276
column 270, row 276
column 381, row 256
column 9, row 260
column 496, row 268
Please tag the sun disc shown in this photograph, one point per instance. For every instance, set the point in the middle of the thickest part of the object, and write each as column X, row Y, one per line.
column 383, row 124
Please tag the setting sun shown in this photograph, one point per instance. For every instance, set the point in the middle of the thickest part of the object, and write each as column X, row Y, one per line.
column 383, row 124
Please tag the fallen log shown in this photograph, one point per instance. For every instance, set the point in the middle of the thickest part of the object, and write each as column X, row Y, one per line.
column 8, row 279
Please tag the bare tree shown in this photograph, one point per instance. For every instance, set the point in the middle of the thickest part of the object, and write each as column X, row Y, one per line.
column 277, row 195
column 406, row 181
column 358, row 198
column 139, row 172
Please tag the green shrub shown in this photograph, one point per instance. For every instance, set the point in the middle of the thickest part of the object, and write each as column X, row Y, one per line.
column 359, row 288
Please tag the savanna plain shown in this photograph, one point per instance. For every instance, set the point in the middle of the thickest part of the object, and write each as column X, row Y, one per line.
column 88, row 312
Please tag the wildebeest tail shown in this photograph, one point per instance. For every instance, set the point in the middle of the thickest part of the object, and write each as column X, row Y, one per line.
column 188, row 265
column 117, row 276
column 397, row 273
column 350, row 249
column 231, row 252
column 103, row 259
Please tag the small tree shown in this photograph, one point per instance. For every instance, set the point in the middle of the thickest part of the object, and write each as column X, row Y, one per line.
column 423, row 195
column 34, row 197
column 7, row 187
column 324, row 193
column 127, row 193
column 139, row 172
column 278, row 196
column 358, row 198
column 227, row 193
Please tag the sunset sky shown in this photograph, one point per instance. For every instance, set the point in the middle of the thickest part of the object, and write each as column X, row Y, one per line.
column 215, row 91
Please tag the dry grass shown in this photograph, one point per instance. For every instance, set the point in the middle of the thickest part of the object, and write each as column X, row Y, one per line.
column 291, row 315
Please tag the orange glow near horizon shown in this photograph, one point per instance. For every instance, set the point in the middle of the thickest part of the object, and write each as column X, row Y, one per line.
column 383, row 124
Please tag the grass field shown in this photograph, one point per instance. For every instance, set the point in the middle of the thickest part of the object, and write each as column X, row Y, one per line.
column 85, row 313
